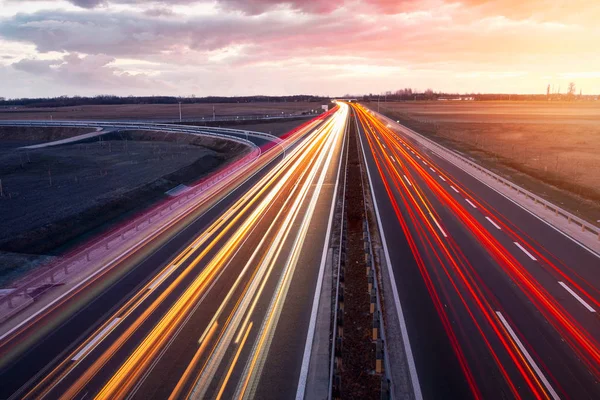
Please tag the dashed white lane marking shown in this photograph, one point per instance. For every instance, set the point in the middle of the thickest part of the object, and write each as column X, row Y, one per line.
column 493, row 223
column 407, row 181
column 442, row 178
column 537, row 369
column 579, row 299
column 470, row 203
column 425, row 162
column 419, row 157
column 433, row 170
column 525, row 251
column 439, row 227
column 162, row 277
column 455, row 189
column 393, row 159
column 96, row 339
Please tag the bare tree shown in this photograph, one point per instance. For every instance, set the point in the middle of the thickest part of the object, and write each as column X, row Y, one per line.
column 571, row 90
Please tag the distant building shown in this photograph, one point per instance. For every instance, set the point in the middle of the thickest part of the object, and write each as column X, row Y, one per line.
column 325, row 107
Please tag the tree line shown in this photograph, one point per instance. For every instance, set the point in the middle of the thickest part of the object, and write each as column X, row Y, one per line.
column 67, row 101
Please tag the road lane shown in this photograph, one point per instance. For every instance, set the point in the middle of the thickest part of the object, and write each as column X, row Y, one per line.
column 207, row 294
column 471, row 274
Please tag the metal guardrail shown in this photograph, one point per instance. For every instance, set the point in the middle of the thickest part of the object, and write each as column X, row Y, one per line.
column 142, row 228
column 249, row 117
column 149, row 224
column 443, row 152
column 223, row 133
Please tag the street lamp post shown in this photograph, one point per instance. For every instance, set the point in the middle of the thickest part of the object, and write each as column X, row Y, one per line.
column 179, row 111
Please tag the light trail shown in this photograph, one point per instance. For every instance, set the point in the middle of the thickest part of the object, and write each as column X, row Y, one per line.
column 580, row 340
column 283, row 190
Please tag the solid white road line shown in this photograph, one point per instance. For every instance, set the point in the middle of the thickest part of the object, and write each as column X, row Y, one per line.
column 414, row 377
column 583, row 246
column 493, row 223
column 96, row 339
column 312, row 325
column 472, row 205
column 525, row 251
column 455, row 189
column 579, row 299
column 537, row 369
column 442, row 178
column 407, row 181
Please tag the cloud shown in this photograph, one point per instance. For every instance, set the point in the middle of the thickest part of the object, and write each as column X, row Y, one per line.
column 91, row 71
column 241, row 43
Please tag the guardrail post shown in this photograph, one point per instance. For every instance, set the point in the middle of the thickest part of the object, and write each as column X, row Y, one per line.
column 376, row 325
column 379, row 356
column 373, row 300
column 385, row 388
column 370, row 280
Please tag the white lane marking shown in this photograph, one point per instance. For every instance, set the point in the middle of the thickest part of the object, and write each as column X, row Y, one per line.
column 393, row 159
column 577, row 242
column 537, row 369
column 433, row 170
column 312, row 325
column 96, row 339
column 418, row 157
column 162, row 277
column 384, row 146
column 442, row 178
column 455, row 189
column 579, row 299
column 412, row 152
column 493, row 223
column 407, row 181
column 472, row 205
column 525, row 251
column 424, row 162
column 439, row 227
column 414, row 377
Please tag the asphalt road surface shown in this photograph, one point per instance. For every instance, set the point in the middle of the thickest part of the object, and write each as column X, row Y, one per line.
column 222, row 307
column 497, row 303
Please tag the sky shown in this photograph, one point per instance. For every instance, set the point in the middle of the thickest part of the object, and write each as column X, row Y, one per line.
column 272, row 47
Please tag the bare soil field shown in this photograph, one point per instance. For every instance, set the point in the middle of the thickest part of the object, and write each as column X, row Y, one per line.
column 155, row 111
column 57, row 196
column 52, row 197
column 551, row 149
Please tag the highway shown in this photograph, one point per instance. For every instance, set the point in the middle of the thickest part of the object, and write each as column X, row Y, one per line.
column 497, row 304
column 222, row 308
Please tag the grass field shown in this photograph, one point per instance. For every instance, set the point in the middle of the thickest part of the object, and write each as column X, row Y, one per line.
column 552, row 149
column 156, row 111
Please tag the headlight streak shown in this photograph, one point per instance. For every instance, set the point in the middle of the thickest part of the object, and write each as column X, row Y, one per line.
column 209, row 370
column 254, row 367
column 580, row 341
column 122, row 381
column 292, row 162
